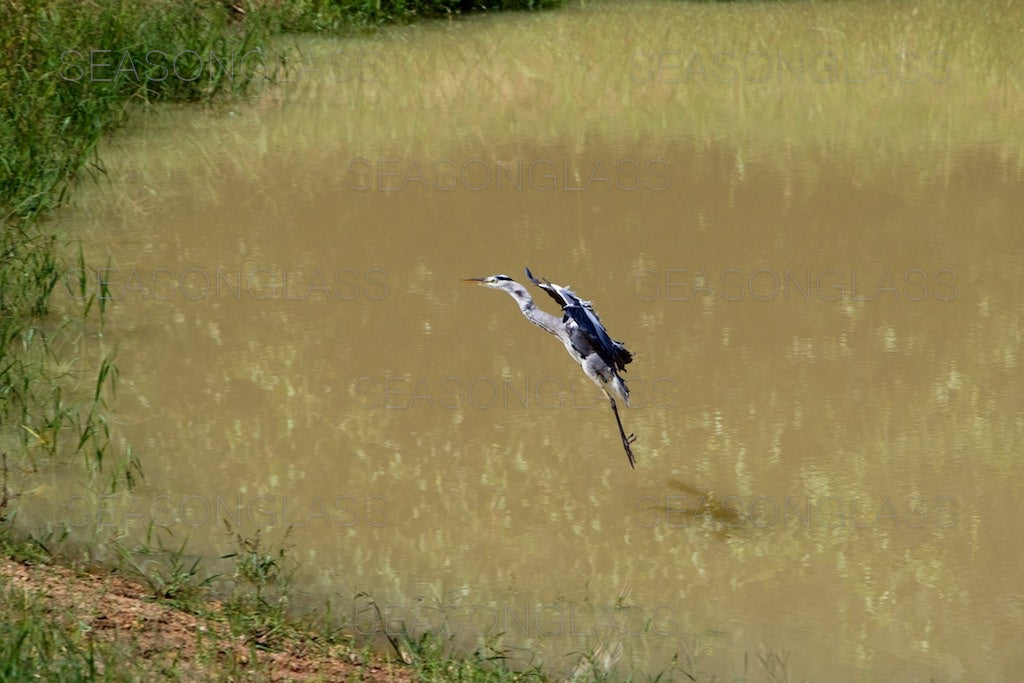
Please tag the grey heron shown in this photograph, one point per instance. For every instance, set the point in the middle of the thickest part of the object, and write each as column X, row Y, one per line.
column 584, row 337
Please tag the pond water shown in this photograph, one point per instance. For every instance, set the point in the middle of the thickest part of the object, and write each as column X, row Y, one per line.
column 803, row 220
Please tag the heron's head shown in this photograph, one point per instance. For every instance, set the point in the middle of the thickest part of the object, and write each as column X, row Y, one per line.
column 492, row 281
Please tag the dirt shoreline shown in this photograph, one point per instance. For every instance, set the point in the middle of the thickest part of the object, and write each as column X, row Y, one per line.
column 116, row 609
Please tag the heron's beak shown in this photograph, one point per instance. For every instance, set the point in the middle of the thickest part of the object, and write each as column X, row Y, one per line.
column 471, row 280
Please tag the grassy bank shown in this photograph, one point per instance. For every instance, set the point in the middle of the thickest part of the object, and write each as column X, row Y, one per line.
column 143, row 620
column 70, row 72
column 60, row 624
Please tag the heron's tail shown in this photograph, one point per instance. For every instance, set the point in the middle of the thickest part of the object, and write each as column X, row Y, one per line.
column 619, row 385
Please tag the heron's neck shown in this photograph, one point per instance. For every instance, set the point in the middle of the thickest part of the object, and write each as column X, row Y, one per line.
column 531, row 312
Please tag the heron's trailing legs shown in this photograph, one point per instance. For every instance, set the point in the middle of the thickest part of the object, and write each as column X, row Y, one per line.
column 626, row 440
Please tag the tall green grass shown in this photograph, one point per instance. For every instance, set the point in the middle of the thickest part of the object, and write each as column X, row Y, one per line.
column 34, row 645
column 348, row 15
column 57, row 106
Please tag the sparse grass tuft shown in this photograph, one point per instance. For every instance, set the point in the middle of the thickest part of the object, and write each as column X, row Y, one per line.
column 261, row 584
column 168, row 573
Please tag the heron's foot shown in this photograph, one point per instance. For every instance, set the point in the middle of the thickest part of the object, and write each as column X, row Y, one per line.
column 626, row 440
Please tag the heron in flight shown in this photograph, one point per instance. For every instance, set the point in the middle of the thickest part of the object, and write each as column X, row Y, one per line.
column 583, row 335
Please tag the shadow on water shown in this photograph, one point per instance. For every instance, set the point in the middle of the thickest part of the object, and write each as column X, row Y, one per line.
column 707, row 508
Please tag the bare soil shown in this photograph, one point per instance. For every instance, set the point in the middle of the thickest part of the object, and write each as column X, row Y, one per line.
column 118, row 609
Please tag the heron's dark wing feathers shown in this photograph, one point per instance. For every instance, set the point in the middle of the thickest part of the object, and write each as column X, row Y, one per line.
column 549, row 288
column 613, row 353
column 582, row 312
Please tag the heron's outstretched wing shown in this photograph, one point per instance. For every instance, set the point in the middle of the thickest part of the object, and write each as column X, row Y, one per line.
column 549, row 288
column 582, row 313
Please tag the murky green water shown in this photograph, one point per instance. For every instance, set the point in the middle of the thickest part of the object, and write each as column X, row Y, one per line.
column 803, row 220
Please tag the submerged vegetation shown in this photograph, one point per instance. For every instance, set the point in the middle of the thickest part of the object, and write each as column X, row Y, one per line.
column 68, row 73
